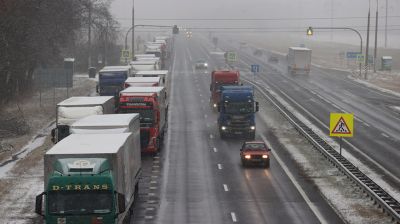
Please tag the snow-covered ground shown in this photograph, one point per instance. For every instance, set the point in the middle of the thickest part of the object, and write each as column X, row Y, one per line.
column 21, row 166
column 349, row 201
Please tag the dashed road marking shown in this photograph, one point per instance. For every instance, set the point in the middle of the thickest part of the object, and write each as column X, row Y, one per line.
column 385, row 135
column 215, row 149
column 205, row 115
column 211, row 136
column 226, row 187
column 219, row 166
column 233, row 216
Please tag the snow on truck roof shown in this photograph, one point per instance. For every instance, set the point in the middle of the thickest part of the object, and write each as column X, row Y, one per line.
column 85, row 100
column 300, row 48
column 142, row 79
column 76, row 144
column 152, row 72
column 104, row 120
column 143, row 62
column 133, row 89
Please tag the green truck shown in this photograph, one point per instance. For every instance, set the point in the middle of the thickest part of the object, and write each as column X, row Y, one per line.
column 91, row 178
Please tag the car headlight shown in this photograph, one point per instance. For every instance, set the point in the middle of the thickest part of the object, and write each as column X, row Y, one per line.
column 247, row 156
column 253, row 127
column 223, row 128
column 205, row 64
column 265, row 156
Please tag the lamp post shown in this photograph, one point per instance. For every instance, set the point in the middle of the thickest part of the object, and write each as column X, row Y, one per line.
column 133, row 30
column 310, row 32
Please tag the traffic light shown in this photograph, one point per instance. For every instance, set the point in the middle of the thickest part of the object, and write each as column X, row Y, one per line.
column 310, row 31
column 175, row 29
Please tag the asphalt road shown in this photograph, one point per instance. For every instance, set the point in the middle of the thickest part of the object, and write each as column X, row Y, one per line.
column 202, row 180
column 376, row 140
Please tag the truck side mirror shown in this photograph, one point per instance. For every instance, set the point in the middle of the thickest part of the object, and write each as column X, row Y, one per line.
column 257, row 107
column 121, row 203
column 39, row 203
column 53, row 135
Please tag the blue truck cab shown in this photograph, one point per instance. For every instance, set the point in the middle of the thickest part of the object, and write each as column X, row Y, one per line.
column 112, row 79
column 237, row 110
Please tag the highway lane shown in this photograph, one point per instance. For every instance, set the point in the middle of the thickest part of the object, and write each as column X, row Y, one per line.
column 377, row 126
column 203, row 181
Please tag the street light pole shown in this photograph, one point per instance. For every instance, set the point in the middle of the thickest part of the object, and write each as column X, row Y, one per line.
column 367, row 48
column 386, row 17
column 133, row 28
column 376, row 36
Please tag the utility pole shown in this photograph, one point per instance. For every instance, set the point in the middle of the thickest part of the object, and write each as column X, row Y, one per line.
column 376, row 36
column 366, row 50
column 386, row 16
column 133, row 29
column 331, row 19
column 90, row 35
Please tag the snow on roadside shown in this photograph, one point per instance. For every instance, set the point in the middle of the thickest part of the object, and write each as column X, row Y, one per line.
column 339, row 191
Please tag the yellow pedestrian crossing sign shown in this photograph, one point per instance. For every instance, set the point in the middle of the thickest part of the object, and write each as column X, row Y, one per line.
column 125, row 54
column 341, row 125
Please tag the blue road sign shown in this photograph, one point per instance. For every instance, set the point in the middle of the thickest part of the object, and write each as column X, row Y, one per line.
column 255, row 68
column 352, row 54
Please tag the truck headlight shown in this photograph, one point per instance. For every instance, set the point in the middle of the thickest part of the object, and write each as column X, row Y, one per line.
column 265, row 156
column 253, row 127
column 223, row 128
column 206, row 64
column 247, row 156
column 215, row 105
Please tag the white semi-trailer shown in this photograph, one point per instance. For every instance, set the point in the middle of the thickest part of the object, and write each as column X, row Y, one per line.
column 91, row 178
column 299, row 60
column 75, row 108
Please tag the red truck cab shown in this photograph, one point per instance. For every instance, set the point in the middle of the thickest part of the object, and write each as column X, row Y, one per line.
column 149, row 102
column 220, row 78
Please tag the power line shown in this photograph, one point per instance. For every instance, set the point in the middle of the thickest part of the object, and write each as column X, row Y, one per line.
column 251, row 19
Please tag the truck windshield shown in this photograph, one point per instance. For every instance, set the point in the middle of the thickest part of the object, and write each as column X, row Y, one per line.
column 146, row 115
column 239, row 108
column 80, row 202
column 111, row 78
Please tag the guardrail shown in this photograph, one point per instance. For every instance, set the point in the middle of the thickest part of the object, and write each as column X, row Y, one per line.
column 385, row 201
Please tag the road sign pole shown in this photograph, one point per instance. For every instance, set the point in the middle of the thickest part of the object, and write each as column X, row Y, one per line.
column 340, row 145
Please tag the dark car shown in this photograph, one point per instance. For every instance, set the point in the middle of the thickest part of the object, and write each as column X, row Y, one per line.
column 201, row 64
column 273, row 59
column 255, row 152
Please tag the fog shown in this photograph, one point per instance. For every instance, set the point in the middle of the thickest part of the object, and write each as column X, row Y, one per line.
column 273, row 15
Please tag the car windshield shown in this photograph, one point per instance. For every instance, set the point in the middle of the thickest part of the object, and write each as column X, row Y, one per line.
column 239, row 108
column 80, row 202
column 255, row 146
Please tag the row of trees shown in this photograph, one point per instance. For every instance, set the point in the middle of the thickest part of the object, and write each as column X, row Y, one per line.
column 40, row 33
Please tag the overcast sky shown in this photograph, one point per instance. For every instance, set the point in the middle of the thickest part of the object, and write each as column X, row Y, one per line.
column 251, row 9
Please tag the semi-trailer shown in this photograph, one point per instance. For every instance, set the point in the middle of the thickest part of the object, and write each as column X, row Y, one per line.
column 75, row 108
column 90, row 178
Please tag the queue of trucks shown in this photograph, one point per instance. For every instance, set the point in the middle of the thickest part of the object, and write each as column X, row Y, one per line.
column 99, row 141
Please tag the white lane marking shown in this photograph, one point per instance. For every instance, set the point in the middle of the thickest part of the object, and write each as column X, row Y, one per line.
column 219, row 166
column 385, row 135
column 201, row 95
column 233, row 215
column 226, row 187
column 211, row 136
column 366, row 124
column 386, row 171
column 312, row 206
column 205, row 115
column 215, row 149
